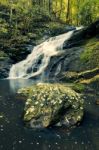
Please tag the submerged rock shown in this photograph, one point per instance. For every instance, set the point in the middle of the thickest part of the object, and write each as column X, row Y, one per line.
column 97, row 102
column 52, row 105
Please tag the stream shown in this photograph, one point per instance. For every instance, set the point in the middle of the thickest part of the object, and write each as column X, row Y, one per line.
column 15, row 136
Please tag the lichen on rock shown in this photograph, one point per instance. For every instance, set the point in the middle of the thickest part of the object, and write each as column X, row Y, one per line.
column 52, row 105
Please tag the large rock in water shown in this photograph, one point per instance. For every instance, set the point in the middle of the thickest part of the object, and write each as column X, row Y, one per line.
column 52, row 105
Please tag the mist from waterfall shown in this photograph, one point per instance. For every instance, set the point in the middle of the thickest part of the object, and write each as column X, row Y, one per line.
column 36, row 62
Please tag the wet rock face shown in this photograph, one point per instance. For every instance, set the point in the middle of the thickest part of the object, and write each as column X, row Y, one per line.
column 52, row 105
column 5, row 67
column 79, row 37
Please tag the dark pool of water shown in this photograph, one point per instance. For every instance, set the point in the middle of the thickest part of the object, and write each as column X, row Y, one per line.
column 14, row 135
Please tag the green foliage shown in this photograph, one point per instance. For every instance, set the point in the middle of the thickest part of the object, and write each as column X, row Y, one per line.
column 77, row 12
column 56, row 28
column 2, row 55
column 3, row 28
column 78, row 87
column 88, row 12
column 88, row 53
column 25, row 11
column 21, row 18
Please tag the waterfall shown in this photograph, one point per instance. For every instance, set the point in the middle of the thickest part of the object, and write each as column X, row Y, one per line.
column 36, row 62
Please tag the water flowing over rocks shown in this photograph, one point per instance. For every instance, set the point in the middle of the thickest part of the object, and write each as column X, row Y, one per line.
column 67, row 49
column 52, row 105
column 36, row 63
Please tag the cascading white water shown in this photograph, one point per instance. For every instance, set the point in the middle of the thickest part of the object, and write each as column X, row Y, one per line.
column 36, row 62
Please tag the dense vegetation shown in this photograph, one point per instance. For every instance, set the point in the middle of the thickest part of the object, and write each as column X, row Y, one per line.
column 21, row 16
column 23, row 21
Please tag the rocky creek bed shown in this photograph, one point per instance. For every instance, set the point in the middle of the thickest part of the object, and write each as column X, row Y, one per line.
column 44, row 116
column 15, row 135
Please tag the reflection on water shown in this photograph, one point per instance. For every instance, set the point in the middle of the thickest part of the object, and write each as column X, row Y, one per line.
column 14, row 135
column 19, row 83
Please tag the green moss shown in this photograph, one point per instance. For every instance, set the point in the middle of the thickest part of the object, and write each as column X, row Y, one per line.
column 91, row 80
column 78, row 87
column 56, row 28
column 91, row 53
column 86, row 55
column 49, row 104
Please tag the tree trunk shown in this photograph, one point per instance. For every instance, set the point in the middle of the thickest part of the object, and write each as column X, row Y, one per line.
column 50, row 6
column 68, row 11
column 61, row 4
column 11, row 13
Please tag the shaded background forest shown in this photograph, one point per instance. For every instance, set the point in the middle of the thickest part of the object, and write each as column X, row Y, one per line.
column 21, row 14
column 25, row 22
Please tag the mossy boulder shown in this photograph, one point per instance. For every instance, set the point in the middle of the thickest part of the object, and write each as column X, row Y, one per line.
column 52, row 105
column 76, row 77
column 90, row 55
column 92, row 83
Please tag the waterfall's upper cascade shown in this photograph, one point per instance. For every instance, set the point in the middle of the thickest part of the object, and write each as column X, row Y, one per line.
column 36, row 62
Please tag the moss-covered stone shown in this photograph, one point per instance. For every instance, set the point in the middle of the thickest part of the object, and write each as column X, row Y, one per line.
column 52, row 104
column 92, row 83
column 78, row 87
column 76, row 77
column 91, row 80
column 90, row 55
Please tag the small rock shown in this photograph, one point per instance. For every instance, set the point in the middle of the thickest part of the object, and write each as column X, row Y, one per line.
column 97, row 102
column 1, row 116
